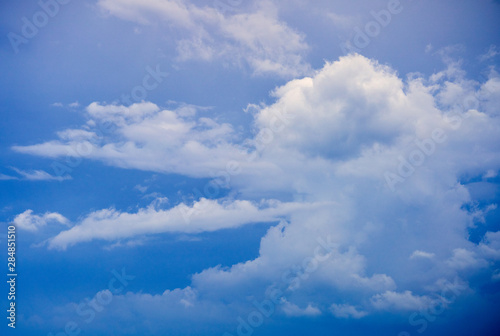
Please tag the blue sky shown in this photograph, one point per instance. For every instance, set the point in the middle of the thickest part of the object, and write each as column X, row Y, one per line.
column 231, row 167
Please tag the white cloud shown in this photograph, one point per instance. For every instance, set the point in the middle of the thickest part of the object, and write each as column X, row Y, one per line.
column 335, row 134
column 127, row 244
column 71, row 105
column 490, row 246
column 76, row 135
column 30, row 222
column 4, row 177
column 142, row 136
column 417, row 254
column 326, row 139
column 291, row 309
column 346, row 311
column 400, row 301
column 256, row 38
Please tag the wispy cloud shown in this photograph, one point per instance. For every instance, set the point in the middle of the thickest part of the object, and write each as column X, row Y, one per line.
column 39, row 175
column 491, row 53
column 7, row 177
column 257, row 37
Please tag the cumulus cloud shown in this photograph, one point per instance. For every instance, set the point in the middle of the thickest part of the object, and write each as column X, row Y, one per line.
column 255, row 37
column 386, row 159
column 31, row 222
column 142, row 136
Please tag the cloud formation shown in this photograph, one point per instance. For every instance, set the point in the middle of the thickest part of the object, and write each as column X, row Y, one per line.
column 254, row 37
column 387, row 159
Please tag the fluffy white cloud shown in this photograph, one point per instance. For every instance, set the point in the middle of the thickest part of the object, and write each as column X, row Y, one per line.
column 385, row 158
column 30, row 222
column 333, row 137
column 142, row 136
column 256, row 37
